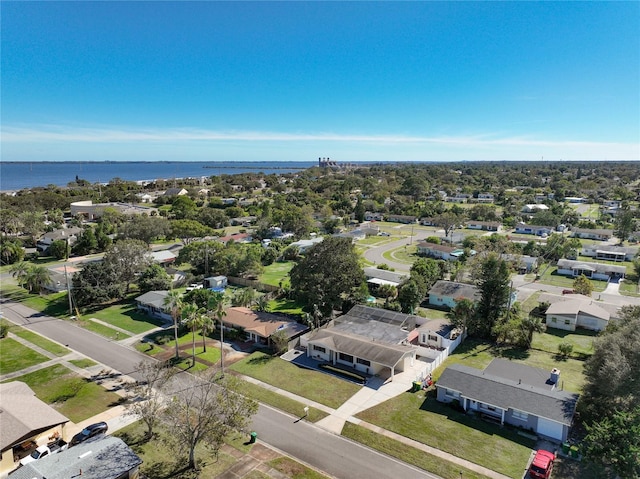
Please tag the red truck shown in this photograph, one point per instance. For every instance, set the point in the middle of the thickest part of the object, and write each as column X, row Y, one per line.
column 542, row 464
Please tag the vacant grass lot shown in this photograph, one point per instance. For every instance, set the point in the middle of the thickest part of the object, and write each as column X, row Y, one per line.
column 15, row 356
column 581, row 339
column 72, row 395
column 422, row 418
column 276, row 273
column 478, row 354
column 314, row 385
column 127, row 317
column 44, row 343
column 408, row 454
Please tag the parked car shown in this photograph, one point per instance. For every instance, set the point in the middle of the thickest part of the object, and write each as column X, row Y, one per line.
column 193, row 286
column 384, row 233
column 46, row 450
column 88, row 432
column 568, row 291
column 542, row 464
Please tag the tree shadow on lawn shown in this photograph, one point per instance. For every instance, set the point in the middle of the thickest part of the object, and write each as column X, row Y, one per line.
column 431, row 404
column 261, row 359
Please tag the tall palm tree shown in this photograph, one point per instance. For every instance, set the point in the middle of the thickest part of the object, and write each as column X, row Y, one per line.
column 532, row 324
column 37, row 277
column 216, row 305
column 191, row 315
column 262, row 303
column 173, row 301
column 206, row 323
column 19, row 271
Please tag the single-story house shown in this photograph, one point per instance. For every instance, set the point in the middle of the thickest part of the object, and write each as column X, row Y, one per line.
column 102, row 457
column 578, row 312
column 370, row 230
column 153, row 304
column 534, row 208
column 484, row 225
column 485, row 198
column 595, row 234
column 439, row 251
column 612, row 203
column 25, row 423
column 406, row 219
column 575, row 199
column 145, row 197
column 436, row 333
column 243, row 221
column 304, row 245
column 217, row 283
column 237, row 237
column 92, row 212
column 65, row 234
column 602, row 271
column 512, row 393
column 609, row 252
column 354, row 235
column 373, row 216
column 175, row 192
column 379, row 277
column 458, row 198
column 524, row 229
column 259, row 326
column 163, row 257
column 448, row 293
column 428, row 221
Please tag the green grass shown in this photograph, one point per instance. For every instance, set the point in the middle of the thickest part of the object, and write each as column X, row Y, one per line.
column 15, row 356
column 629, row 288
column 286, row 306
column 430, row 422
column 55, row 304
column 433, row 313
column 408, row 454
column 72, row 395
column 376, row 240
column 34, row 338
column 404, row 254
column 581, row 339
column 478, row 354
column 277, row 272
column 83, row 363
column 278, row 401
column 552, row 278
column 295, row 470
column 102, row 330
column 304, row 382
column 127, row 317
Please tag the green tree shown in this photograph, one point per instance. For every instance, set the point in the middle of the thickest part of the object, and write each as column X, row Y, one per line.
column 213, row 218
column 189, row 230
column 144, row 228
column 625, row 224
column 215, row 309
column 615, row 442
column 243, row 297
column 96, row 284
column 359, row 210
column 494, row 296
column 37, row 278
column 154, row 278
column 207, row 413
column 33, row 224
column 410, row 295
column 565, row 349
column 19, row 271
column 183, row 208
column 87, row 243
column 127, row 258
column 11, row 251
column 529, row 325
column 280, row 341
column 583, row 285
column 191, row 317
column 59, row 249
column 174, row 302
column 462, row 313
column 328, row 272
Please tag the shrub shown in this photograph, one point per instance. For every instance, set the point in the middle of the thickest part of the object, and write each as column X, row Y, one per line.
column 4, row 330
column 565, row 349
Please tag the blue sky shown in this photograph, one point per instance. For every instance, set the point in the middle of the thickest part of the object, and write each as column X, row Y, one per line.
column 294, row 81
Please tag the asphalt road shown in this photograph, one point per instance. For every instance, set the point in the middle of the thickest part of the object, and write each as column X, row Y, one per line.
column 328, row 452
column 325, row 451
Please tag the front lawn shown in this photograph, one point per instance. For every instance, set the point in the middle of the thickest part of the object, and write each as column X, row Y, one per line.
column 72, row 395
column 422, row 418
column 285, row 306
column 551, row 277
column 314, row 385
column 404, row 254
column 127, row 317
column 102, row 330
column 15, row 356
column 55, row 304
column 408, row 454
column 34, row 338
column 581, row 339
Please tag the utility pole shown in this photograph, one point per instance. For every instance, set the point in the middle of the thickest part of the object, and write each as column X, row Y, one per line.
column 66, row 278
column 221, row 346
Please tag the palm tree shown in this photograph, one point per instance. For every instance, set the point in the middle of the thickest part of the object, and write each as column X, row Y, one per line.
column 206, row 323
column 532, row 324
column 262, row 303
column 173, row 301
column 191, row 315
column 216, row 305
column 10, row 251
column 19, row 271
column 388, row 291
column 37, row 277
column 462, row 313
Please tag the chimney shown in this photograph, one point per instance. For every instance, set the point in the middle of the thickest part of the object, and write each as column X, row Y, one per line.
column 555, row 376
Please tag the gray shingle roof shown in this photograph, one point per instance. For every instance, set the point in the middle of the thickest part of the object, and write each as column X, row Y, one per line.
column 384, row 274
column 598, row 267
column 452, row 289
column 153, row 298
column 102, row 457
column 576, row 306
column 508, row 393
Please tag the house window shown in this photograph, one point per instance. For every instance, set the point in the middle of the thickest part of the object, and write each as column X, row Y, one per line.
column 320, row 349
column 491, row 408
column 433, row 338
column 554, row 319
column 346, row 357
column 451, row 393
column 523, row 416
column 566, row 321
column 364, row 362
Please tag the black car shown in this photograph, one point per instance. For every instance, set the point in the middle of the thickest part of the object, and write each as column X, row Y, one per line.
column 89, row 431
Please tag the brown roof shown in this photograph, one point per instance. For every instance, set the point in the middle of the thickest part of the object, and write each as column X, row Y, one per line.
column 23, row 414
column 263, row 324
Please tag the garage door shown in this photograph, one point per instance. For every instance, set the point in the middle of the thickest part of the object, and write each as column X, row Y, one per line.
column 550, row 429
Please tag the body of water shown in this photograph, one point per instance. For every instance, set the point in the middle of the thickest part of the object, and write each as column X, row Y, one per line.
column 19, row 175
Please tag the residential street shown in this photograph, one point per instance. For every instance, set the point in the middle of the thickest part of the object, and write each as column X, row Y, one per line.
column 323, row 450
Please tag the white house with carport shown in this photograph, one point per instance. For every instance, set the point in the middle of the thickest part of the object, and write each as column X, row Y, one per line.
column 512, row 393
column 377, row 277
column 607, row 252
column 601, row 271
column 439, row 251
column 152, row 303
column 595, row 234
column 578, row 312
column 484, row 225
